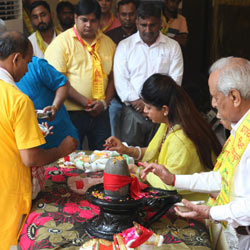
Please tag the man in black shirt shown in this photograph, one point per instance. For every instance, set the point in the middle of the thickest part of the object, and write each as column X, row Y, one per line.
column 127, row 15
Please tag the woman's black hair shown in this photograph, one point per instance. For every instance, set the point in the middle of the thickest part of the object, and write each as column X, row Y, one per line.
column 159, row 90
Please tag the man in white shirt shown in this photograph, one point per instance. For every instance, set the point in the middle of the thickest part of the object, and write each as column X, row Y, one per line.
column 229, row 86
column 42, row 21
column 136, row 58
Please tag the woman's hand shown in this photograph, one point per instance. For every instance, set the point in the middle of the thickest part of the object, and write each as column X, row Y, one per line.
column 159, row 170
column 132, row 168
column 114, row 144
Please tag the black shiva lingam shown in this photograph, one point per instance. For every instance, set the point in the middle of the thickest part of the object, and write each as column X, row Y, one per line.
column 117, row 209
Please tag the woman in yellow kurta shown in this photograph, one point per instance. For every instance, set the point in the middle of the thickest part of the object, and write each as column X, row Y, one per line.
column 184, row 142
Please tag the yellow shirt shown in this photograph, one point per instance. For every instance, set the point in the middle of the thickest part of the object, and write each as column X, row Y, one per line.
column 69, row 57
column 19, row 130
column 178, row 154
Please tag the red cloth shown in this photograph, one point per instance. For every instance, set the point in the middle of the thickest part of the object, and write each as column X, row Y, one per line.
column 113, row 182
column 130, row 234
column 38, row 180
column 39, row 174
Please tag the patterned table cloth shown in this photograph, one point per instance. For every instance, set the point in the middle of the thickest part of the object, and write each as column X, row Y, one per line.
column 57, row 217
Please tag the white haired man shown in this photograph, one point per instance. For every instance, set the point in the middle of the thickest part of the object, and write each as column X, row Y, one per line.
column 229, row 86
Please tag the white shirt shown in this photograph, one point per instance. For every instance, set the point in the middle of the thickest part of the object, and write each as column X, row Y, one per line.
column 7, row 77
column 237, row 212
column 135, row 61
column 36, row 50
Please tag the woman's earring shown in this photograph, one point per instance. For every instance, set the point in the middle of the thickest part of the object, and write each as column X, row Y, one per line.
column 165, row 114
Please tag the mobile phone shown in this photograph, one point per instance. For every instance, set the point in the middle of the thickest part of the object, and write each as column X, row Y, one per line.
column 43, row 115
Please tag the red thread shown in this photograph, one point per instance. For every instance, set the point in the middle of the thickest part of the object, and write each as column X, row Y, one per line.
column 173, row 183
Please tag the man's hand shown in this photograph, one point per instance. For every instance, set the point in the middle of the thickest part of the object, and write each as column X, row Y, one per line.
column 159, row 170
column 95, row 108
column 67, row 146
column 198, row 212
column 45, row 124
column 53, row 111
column 39, row 157
column 138, row 105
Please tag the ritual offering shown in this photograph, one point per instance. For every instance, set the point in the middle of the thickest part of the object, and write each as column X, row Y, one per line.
column 136, row 236
column 182, row 208
column 121, row 199
column 44, row 129
column 93, row 162
column 80, row 185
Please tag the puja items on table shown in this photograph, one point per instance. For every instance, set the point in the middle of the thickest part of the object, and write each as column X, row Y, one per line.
column 93, row 162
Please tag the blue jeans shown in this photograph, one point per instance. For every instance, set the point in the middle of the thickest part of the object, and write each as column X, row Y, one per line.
column 115, row 111
column 97, row 129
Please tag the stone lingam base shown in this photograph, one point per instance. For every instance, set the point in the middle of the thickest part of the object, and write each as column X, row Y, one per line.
column 115, row 215
column 118, row 210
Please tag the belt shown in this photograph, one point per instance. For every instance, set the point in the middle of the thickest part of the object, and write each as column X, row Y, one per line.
column 242, row 230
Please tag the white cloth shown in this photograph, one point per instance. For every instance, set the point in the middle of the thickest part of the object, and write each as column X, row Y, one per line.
column 135, row 61
column 6, row 76
column 237, row 212
column 244, row 242
column 36, row 50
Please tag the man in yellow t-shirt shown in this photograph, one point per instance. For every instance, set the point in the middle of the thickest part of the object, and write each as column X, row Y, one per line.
column 19, row 138
column 85, row 55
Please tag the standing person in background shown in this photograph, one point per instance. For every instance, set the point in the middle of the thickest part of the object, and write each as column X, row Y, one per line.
column 108, row 20
column 42, row 21
column 85, row 55
column 136, row 58
column 174, row 24
column 229, row 86
column 126, row 13
column 127, row 16
column 20, row 139
column 65, row 15
column 27, row 25
column 48, row 89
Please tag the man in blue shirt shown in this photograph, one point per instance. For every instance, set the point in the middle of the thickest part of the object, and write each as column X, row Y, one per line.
column 48, row 89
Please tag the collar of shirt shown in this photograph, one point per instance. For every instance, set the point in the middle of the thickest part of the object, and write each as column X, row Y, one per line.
column 235, row 126
column 54, row 36
column 99, row 34
column 160, row 39
column 6, row 76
